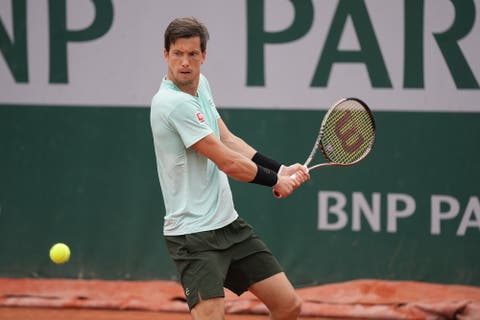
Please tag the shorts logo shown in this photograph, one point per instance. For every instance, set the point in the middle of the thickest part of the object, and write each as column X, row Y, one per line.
column 199, row 116
column 187, row 291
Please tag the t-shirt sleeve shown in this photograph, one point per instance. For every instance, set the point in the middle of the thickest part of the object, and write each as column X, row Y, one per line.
column 189, row 122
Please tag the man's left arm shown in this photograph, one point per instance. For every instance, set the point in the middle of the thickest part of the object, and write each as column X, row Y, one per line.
column 239, row 145
column 233, row 142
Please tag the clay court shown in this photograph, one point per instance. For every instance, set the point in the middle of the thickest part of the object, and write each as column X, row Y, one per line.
column 55, row 299
column 89, row 314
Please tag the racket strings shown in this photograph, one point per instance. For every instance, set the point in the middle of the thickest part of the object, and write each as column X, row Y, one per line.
column 348, row 133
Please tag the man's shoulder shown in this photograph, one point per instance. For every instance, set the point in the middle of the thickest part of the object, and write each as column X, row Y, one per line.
column 168, row 99
column 203, row 80
column 204, row 85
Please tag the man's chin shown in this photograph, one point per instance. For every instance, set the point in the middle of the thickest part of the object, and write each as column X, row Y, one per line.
column 184, row 82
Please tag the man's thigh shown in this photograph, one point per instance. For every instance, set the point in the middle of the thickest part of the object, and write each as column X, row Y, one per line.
column 276, row 292
column 211, row 309
column 257, row 266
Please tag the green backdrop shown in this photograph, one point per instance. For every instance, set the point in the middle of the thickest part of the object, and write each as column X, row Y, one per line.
column 87, row 177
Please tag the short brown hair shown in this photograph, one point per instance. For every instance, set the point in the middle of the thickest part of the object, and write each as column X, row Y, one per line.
column 188, row 27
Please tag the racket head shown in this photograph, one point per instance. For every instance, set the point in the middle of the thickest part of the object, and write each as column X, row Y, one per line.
column 347, row 133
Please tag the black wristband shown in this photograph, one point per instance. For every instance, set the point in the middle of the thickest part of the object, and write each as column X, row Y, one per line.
column 266, row 162
column 265, row 177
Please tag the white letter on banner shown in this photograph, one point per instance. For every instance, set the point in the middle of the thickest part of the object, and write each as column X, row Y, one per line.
column 371, row 213
column 437, row 214
column 473, row 208
column 393, row 212
column 337, row 209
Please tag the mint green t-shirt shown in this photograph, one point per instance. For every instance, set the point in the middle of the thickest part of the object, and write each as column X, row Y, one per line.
column 196, row 193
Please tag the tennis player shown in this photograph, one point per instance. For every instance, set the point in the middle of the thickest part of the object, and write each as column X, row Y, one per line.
column 211, row 245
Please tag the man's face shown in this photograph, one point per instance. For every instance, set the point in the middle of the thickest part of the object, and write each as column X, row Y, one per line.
column 184, row 60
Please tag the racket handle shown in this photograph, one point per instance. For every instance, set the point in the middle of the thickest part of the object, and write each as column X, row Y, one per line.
column 276, row 194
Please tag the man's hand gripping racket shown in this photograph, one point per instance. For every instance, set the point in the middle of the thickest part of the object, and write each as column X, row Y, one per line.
column 346, row 136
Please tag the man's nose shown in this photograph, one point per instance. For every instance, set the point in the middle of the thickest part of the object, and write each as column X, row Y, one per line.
column 185, row 61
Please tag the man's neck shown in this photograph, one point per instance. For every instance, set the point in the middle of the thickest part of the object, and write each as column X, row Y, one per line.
column 190, row 89
column 187, row 88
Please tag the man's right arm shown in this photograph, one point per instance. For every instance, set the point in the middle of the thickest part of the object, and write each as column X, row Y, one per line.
column 231, row 162
column 237, row 166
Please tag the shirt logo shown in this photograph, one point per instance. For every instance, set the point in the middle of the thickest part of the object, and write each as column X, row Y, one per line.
column 199, row 116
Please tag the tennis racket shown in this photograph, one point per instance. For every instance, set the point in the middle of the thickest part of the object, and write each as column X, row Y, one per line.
column 346, row 136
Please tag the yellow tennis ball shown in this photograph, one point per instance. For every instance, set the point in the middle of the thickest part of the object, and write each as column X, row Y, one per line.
column 59, row 253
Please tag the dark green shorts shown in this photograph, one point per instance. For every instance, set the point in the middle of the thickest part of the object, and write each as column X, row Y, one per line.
column 233, row 257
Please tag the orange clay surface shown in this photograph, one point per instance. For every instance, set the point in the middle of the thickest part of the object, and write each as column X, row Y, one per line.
column 52, row 299
column 16, row 313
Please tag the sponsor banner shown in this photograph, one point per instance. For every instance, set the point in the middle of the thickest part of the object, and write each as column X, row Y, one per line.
column 399, row 55
column 366, row 212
